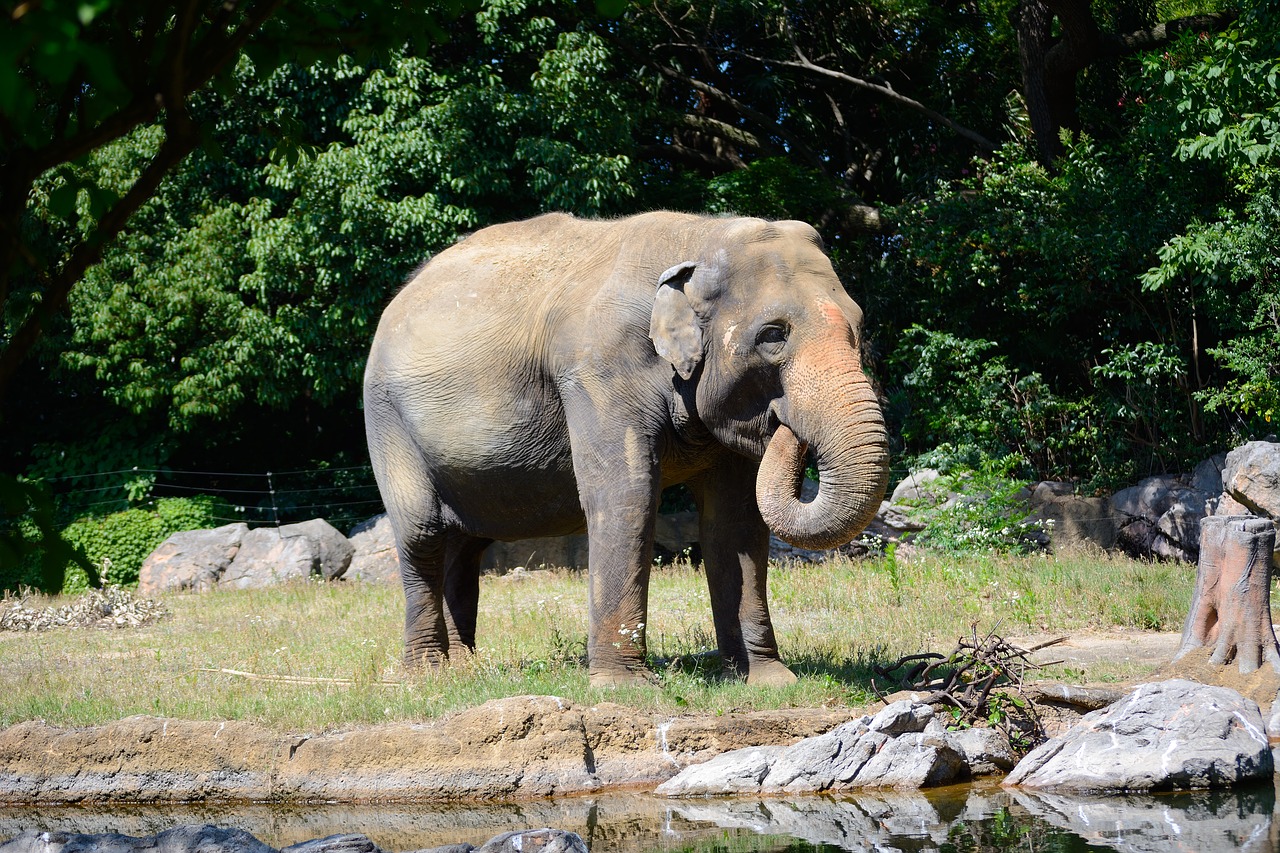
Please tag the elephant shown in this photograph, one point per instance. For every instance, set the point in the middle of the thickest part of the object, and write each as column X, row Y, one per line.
column 543, row 377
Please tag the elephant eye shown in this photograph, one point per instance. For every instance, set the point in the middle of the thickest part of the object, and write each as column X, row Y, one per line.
column 773, row 336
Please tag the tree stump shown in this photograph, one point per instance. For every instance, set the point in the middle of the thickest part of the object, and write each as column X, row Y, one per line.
column 1231, row 606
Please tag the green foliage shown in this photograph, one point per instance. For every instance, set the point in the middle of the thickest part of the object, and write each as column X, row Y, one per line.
column 980, row 407
column 1227, row 99
column 116, row 545
column 989, row 515
column 32, row 554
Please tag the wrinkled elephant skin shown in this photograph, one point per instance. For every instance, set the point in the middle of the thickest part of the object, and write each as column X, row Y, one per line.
column 554, row 374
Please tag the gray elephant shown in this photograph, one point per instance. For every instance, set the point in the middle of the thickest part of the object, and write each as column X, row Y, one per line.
column 556, row 374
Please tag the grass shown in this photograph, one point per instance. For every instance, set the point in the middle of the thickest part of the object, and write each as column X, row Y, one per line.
column 833, row 622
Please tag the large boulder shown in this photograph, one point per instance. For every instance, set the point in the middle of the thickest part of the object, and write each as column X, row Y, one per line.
column 333, row 550
column 1074, row 522
column 1160, row 517
column 272, row 555
column 191, row 561
column 1251, row 475
column 375, row 557
column 897, row 748
column 1170, row 735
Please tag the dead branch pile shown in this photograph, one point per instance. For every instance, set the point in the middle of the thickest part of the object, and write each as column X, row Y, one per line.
column 982, row 682
column 96, row 608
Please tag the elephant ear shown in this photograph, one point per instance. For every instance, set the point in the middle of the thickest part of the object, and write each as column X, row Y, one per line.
column 674, row 327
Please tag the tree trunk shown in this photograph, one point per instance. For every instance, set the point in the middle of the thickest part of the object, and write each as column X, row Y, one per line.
column 1231, row 606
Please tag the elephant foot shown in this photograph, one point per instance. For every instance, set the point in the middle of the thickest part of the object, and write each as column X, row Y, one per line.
column 770, row 673
column 624, row 678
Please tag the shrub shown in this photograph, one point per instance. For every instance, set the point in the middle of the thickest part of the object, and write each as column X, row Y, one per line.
column 117, row 544
column 990, row 515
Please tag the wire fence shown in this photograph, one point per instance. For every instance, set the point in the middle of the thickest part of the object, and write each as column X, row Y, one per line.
column 342, row 496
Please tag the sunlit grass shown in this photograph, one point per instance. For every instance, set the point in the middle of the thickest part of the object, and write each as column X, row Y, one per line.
column 834, row 621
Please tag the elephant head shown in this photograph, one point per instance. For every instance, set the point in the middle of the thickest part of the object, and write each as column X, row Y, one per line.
column 761, row 326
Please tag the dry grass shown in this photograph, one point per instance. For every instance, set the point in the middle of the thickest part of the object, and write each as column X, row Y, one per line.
column 833, row 620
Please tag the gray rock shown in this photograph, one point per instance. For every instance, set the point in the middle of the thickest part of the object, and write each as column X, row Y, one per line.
column 375, row 558
column 267, row 558
column 1074, row 522
column 535, row 841
column 333, row 551
column 346, row 842
column 824, row 762
column 1251, row 475
column 914, row 488
column 902, row 717
column 180, row 839
column 985, row 751
column 193, row 560
column 1207, row 476
column 913, row 761
column 1169, row 735
column 1160, row 517
column 853, row 755
column 737, row 771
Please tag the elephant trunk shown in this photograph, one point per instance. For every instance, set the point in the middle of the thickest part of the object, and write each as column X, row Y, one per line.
column 842, row 423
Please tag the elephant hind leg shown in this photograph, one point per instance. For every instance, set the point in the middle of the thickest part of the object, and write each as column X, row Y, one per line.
column 462, row 588
column 415, row 512
column 426, row 633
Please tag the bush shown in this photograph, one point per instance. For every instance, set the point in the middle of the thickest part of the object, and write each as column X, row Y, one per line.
column 990, row 515
column 117, row 544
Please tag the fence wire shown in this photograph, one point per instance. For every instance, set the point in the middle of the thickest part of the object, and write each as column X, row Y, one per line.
column 342, row 496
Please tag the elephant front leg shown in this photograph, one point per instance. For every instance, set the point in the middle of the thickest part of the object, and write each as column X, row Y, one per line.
column 618, row 483
column 735, row 553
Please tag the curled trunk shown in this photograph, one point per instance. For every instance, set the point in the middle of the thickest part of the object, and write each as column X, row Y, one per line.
column 852, row 455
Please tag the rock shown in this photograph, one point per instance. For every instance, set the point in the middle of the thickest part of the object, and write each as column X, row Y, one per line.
column 1207, row 476
column 1074, row 522
column 535, row 841
column 375, row 557
column 855, row 755
column 1169, row 735
column 824, row 762
column 740, row 771
column 266, row 558
column 914, row 488
column 913, row 761
column 180, row 839
column 333, row 550
column 271, row 555
column 902, row 717
column 347, row 842
column 193, row 560
column 985, row 751
column 1160, row 517
column 1251, row 475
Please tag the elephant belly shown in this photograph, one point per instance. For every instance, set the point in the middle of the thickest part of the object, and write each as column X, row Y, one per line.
column 502, row 468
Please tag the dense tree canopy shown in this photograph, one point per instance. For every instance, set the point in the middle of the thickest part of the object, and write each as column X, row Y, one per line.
column 1059, row 215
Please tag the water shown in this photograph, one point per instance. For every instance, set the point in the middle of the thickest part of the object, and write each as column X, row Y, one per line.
column 961, row 818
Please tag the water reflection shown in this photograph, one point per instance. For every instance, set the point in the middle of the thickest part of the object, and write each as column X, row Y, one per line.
column 962, row 818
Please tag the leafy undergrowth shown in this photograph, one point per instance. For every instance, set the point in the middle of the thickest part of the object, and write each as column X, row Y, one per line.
column 314, row 656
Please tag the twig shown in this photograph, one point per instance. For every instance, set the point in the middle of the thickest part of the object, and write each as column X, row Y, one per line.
column 295, row 679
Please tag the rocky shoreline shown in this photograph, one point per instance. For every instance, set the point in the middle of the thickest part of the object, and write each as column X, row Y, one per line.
column 523, row 747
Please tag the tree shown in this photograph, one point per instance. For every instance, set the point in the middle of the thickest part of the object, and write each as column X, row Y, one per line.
column 88, row 74
column 1053, row 58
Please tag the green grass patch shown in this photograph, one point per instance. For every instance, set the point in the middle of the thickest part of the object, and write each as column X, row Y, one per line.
column 342, row 640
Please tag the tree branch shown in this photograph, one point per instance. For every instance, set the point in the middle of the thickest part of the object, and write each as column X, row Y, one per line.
column 880, row 89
